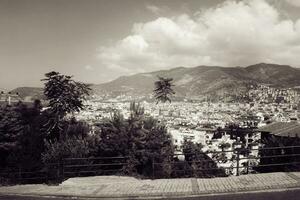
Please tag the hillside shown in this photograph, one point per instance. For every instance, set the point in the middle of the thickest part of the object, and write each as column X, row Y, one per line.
column 203, row 80
column 193, row 82
column 29, row 93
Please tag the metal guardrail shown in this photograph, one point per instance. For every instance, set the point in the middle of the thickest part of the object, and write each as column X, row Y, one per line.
column 13, row 175
column 266, row 159
column 93, row 166
column 240, row 164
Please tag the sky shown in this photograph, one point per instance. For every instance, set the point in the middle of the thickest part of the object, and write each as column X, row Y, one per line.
column 99, row 40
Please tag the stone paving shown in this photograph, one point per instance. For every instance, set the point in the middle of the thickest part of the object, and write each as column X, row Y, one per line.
column 113, row 186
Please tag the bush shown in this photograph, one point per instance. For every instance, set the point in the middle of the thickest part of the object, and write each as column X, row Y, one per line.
column 69, row 148
column 199, row 163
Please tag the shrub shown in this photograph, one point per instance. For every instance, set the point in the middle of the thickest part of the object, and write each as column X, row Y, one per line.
column 69, row 148
column 199, row 163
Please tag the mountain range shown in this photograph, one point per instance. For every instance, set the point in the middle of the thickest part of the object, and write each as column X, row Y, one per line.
column 204, row 80
column 194, row 82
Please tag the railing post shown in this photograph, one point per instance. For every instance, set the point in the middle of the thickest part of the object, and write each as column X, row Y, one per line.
column 248, row 166
column 153, row 165
column 47, row 173
column 238, row 162
column 62, row 170
column 20, row 175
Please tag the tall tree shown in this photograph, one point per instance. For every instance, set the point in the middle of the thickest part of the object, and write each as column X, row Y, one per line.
column 65, row 96
column 163, row 89
column 139, row 137
column 21, row 140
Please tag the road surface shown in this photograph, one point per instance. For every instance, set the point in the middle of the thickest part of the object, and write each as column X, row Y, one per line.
column 276, row 195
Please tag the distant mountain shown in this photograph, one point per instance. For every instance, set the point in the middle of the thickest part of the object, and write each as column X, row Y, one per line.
column 198, row 81
column 29, row 93
column 204, row 80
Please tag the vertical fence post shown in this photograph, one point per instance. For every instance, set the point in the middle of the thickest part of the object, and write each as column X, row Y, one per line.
column 62, row 175
column 47, row 173
column 153, row 165
column 238, row 162
column 20, row 175
column 248, row 166
column 293, row 158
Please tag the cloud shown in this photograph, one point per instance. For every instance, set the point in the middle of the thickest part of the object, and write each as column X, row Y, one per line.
column 88, row 67
column 234, row 33
column 154, row 9
column 294, row 2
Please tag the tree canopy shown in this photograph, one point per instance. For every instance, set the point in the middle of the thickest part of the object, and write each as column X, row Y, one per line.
column 65, row 96
column 139, row 137
column 163, row 89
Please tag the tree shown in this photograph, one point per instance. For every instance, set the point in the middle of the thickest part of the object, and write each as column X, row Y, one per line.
column 199, row 163
column 140, row 138
column 158, row 148
column 21, row 141
column 163, row 89
column 65, row 96
column 11, row 130
column 113, row 137
column 76, row 128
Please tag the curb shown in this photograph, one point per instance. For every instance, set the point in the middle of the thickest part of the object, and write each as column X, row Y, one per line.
column 148, row 197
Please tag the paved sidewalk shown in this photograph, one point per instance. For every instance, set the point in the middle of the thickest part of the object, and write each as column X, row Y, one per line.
column 128, row 187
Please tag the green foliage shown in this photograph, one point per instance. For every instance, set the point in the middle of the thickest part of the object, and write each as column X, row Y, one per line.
column 142, row 139
column 10, row 127
column 11, row 130
column 157, row 147
column 75, row 128
column 200, row 164
column 65, row 96
column 113, row 137
column 163, row 89
column 278, row 155
column 69, row 148
column 21, row 140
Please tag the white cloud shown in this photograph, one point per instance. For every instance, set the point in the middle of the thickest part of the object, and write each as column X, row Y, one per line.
column 158, row 11
column 233, row 33
column 154, row 9
column 294, row 2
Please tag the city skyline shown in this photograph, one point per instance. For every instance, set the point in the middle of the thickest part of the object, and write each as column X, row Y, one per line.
column 98, row 41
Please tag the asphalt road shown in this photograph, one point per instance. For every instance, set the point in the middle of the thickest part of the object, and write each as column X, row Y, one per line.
column 282, row 195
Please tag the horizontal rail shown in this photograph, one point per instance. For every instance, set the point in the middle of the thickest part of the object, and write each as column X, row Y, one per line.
column 277, row 164
column 241, row 161
column 274, row 156
column 274, row 148
column 95, row 165
column 96, row 171
column 96, row 158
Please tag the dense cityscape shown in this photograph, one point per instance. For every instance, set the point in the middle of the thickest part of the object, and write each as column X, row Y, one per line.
column 199, row 121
